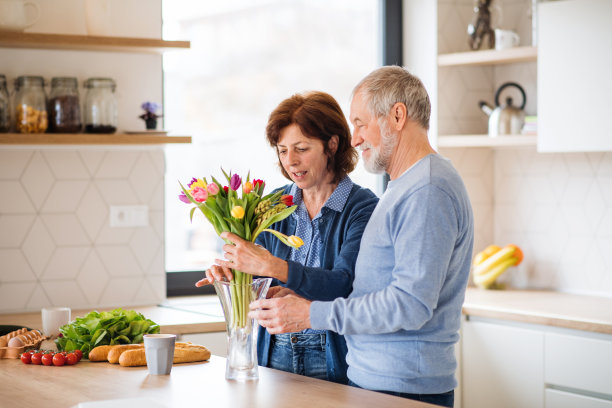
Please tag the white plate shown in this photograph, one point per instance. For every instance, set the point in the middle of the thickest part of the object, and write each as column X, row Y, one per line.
column 146, row 132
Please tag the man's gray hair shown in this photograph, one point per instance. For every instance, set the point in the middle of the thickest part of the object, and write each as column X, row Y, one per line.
column 386, row 86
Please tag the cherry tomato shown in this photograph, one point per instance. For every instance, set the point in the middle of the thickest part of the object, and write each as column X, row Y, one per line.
column 78, row 353
column 32, row 351
column 26, row 358
column 47, row 359
column 59, row 359
column 37, row 358
column 71, row 359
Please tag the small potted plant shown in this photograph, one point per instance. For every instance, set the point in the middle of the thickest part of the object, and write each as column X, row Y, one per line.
column 150, row 117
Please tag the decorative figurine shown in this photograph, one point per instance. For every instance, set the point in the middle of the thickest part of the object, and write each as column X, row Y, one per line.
column 481, row 26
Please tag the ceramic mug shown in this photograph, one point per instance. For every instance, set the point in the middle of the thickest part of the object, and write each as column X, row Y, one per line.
column 159, row 352
column 13, row 16
column 505, row 39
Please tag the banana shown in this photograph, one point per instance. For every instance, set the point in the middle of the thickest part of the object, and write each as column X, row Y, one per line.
column 486, row 279
column 507, row 252
column 484, row 254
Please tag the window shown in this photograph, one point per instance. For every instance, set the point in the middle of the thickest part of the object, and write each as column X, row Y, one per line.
column 245, row 57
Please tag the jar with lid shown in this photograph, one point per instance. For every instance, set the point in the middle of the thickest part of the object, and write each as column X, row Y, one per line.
column 30, row 105
column 5, row 117
column 100, row 106
column 64, row 108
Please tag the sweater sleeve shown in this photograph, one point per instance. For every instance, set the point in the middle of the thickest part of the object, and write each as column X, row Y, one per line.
column 423, row 231
column 326, row 284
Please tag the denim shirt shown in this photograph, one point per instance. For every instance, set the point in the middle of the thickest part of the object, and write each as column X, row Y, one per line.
column 340, row 234
column 307, row 229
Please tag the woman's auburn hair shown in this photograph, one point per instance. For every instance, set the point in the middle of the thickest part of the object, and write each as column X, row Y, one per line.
column 319, row 116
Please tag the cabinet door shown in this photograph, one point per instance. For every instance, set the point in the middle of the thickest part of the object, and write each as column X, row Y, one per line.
column 561, row 399
column 574, row 81
column 502, row 366
column 579, row 362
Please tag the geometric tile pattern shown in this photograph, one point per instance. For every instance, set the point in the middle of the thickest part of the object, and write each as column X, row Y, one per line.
column 557, row 207
column 56, row 245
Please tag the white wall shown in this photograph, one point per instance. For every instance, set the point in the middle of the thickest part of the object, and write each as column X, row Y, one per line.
column 56, row 245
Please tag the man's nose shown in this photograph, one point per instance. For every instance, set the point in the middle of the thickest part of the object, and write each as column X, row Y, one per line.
column 356, row 139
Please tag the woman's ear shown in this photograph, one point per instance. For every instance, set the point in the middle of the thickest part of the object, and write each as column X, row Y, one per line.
column 332, row 144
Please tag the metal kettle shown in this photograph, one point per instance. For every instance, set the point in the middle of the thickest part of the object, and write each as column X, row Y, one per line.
column 507, row 119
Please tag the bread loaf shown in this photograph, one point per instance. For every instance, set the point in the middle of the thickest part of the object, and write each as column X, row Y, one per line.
column 116, row 351
column 183, row 353
column 99, row 353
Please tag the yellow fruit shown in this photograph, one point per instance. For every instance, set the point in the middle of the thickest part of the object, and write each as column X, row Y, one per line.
column 507, row 252
column 484, row 254
column 485, row 280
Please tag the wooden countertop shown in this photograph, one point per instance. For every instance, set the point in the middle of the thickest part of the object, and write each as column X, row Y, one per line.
column 178, row 316
column 588, row 313
column 194, row 384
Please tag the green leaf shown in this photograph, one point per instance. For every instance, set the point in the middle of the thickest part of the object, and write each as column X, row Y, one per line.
column 277, row 217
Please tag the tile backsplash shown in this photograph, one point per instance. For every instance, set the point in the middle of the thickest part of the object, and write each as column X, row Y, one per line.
column 56, row 243
column 557, row 207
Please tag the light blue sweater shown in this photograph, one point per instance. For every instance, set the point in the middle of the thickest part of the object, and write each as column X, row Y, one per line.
column 402, row 319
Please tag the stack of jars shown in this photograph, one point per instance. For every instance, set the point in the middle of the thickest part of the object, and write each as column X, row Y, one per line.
column 61, row 111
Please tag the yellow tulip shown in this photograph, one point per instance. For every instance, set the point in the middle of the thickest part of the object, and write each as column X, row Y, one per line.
column 295, row 241
column 237, row 212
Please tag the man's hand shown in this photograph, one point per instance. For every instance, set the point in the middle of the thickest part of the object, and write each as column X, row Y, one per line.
column 287, row 314
column 279, row 291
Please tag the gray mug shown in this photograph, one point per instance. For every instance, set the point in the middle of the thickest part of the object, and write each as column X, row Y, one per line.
column 159, row 351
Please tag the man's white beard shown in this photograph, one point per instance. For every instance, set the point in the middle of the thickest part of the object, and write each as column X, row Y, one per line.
column 380, row 157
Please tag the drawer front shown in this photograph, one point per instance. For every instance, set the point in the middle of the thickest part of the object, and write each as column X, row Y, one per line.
column 578, row 362
column 561, row 399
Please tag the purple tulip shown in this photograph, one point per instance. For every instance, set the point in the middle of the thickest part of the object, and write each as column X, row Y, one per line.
column 184, row 198
column 235, row 182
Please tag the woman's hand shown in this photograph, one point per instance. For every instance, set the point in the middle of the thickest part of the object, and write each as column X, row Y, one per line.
column 215, row 273
column 245, row 256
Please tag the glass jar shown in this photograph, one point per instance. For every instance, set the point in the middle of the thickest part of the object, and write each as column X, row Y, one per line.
column 100, row 106
column 30, row 105
column 5, row 121
column 64, row 107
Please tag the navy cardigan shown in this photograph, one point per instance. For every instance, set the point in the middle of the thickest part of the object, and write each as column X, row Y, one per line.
column 340, row 236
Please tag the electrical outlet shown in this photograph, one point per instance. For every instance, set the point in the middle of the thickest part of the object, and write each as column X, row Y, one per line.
column 129, row 216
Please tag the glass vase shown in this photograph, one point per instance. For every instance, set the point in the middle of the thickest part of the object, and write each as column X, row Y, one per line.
column 241, row 363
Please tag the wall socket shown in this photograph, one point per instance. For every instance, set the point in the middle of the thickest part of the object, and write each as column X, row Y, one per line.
column 129, row 216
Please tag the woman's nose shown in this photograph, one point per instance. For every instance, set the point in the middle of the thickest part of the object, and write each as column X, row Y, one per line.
column 291, row 157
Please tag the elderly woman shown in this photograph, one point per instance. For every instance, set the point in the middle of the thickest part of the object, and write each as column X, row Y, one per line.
column 312, row 140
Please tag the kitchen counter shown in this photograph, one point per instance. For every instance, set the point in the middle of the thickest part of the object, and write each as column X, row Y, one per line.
column 193, row 314
column 193, row 384
column 588, row 313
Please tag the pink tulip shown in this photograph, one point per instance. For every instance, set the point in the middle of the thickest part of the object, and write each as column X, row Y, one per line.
column 200, row 194
column 213, row 189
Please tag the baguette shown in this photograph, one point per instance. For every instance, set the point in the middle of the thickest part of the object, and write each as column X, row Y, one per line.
column 116, row 351
column 99, row 353
column 187, row 353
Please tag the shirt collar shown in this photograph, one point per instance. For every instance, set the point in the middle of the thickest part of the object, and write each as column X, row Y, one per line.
column 336, row 200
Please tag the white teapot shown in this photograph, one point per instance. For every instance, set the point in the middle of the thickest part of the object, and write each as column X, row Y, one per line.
column 13, row 15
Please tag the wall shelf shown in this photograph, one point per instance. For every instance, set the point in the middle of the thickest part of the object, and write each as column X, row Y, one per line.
column 489, row 57
column 87, row 139
column 13, row 39
column 486, row 141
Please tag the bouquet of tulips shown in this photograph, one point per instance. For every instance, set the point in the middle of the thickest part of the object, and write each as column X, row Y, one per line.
column 247, row 216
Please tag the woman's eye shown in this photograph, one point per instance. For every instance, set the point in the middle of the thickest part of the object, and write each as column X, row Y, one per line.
column 302, row 149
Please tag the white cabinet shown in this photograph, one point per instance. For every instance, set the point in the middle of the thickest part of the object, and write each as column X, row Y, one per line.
column 501, row 366
column 562, row 399
column 574, row 81
column 508, row 364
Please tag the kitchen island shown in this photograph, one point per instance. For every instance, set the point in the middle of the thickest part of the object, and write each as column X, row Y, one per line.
column 188, row 385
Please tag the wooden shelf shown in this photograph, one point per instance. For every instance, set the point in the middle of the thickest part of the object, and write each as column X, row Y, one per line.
column 486, row 141
column 13, row 39
column 489, row 57
column 87, row 139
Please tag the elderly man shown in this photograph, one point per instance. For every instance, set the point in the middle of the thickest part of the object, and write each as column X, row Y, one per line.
column 402, row 318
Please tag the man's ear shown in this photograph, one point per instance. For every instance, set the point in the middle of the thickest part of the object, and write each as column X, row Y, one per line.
column 399, row 115
column 332, row 144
